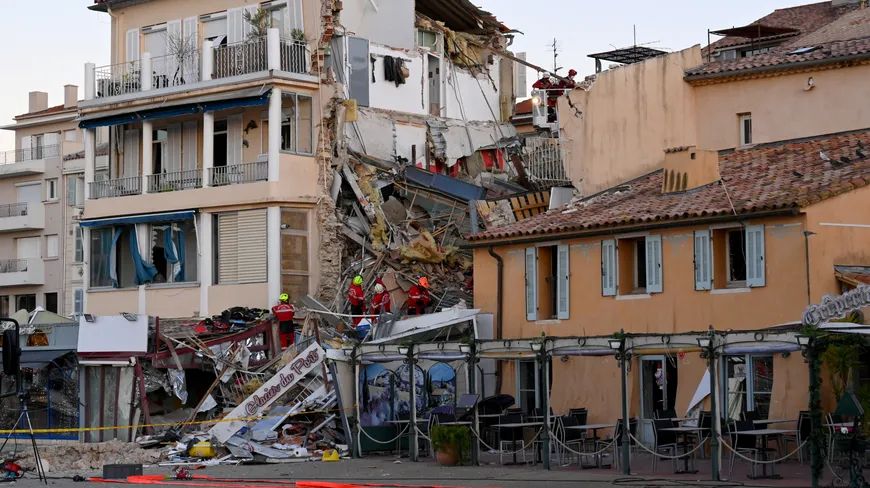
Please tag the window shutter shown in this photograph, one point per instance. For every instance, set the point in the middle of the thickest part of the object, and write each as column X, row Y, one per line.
column 51, row 139
column 654, row 264
column 563, row 269
column 71, row 187
column 173, row 151
column 531, row 283
column 131, row 153
column 703, row 262
column 132, row 45
column 235, row 25
column 294, row 12
column 234, row 140
column 228, row 253
column 190, row 148
column 608, row 268
column 191, row 61
column 755, row 255
column 251, row 246
column 174, row 38
column 78, row 301
column 25, row 151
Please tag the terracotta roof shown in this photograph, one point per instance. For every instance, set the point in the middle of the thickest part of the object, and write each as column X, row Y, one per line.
column 852, row 25
column 783, row 56
column 49, row 111
column 524, row 107
column 853, row 275
column 770, row 177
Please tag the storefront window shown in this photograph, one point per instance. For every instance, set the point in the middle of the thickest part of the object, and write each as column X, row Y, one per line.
column 748, row 385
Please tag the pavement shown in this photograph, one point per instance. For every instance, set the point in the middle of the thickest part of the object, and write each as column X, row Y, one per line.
column 389, row 471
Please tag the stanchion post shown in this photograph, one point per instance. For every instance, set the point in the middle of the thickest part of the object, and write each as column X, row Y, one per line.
column 617, row 344
column 708, row 351
column 470, row 352
column 809, row 345
column 541, row 359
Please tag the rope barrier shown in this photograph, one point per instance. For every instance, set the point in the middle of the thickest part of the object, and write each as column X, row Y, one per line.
column 523, row 445
column 756, row 461
column 394, row 439
column 422, row 434
column 664, row 456
column 581, row 453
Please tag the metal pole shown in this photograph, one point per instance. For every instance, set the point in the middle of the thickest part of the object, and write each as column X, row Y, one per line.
column 357, row 425
column 815, row 441
column 626, row 440
column 471, row 370
column 545, row 405
column 412, row 425
column 714, row 419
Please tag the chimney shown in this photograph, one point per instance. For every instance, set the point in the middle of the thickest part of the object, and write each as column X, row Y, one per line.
column 38, row 101
column 70, row 96
column 687, row 167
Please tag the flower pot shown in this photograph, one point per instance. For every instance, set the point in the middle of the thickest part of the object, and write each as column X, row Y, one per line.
column 447, row 456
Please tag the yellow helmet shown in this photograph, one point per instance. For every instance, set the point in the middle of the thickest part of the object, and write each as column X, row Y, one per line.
column 357, row 280
column 284, row 297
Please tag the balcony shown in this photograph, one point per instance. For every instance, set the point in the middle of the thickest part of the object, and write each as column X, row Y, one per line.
column 30, row 161
column 200, row 68
column 235, row 174
column 174, row 181
column 21, row 216
column 22, row 272
column 118, row 187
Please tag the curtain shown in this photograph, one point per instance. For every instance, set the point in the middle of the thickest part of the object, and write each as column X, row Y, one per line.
column 174, row 252
column 113, row 255
column 145, row 271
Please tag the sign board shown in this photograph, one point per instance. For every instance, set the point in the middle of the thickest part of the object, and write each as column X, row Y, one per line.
column 837, row 307
column 269, row 392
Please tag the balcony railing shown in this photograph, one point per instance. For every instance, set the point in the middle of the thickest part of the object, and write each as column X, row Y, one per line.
column 13, row 210
column 175, row 69
column 174, row 181
column 240, row 58
column 118, row 79
column 239, row 173
column 116, row 188
column 29, row 154
column 294, row 56
column 13, row 265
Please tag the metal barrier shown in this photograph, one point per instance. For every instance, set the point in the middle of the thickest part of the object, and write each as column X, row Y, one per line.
column 117, row 79
column 175, row 180
column 233, row 174
column 240, row 58
column 295, row 56
column 13, row 265
column 13, row 210
column 30, row 154
column 175, row 69
column 118, row 187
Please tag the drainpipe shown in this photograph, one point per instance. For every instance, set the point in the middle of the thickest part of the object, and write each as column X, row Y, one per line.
column 807, row 235
column 498, row 317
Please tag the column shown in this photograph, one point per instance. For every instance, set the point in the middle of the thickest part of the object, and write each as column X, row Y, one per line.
column 273, row 49
column 206, row 261
column 90, row 160
column 207, row 60
column 90, row 81
column 274, row 133
column 273, row 248
column 86, row 265
column 145, row 72
column 207, row 147
column 147, row 149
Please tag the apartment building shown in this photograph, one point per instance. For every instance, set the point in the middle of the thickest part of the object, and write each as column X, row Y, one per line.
column 206, row 198
column 41, row 195
column 717, row 190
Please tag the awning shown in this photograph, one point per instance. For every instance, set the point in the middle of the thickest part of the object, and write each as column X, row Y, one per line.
column 167, row 110
column 139, row 219
column 32, row 358
column 761, row 348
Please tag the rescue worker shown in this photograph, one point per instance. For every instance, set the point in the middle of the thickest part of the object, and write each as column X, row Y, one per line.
column 381, row 300
column 284, row 312
column 418, row 297
column 357, row 299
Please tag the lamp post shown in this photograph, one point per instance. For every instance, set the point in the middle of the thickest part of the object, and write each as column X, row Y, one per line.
column 707, row 344
column 469, row 350
column 408, row 352
column 540, row 350
column 809, row 350
column 617, row 344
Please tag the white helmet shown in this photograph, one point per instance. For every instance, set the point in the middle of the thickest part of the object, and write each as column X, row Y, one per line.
column 379, row 288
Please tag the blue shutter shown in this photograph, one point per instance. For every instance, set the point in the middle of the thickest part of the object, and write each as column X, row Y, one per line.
column 654, row 264
column 755, row 255
column 563, row 271
column 608, row 267
column 531, row 283
column 703, row 262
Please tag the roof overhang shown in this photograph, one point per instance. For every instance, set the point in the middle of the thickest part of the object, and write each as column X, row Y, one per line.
column 813, row 64
column 23, row 123
column 105, row 5
column 755, row 31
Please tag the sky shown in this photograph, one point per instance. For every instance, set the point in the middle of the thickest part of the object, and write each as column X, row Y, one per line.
column 46, row 50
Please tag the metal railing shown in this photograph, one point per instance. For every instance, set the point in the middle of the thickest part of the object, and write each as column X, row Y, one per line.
column 29, row 154
column 175, row 180
column 545, row 161
column 233, row 174
column 117, row 79
column 13, row 210
column 295, row 56
column 175, row 69
column 240, row 58
column 13, row 265
column 118, row 187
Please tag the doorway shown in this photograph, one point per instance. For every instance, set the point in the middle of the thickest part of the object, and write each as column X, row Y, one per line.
column 658, row 391
column 434, row 75
column 220, row 143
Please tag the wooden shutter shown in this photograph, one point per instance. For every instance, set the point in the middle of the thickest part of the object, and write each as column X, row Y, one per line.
column 654, row 264
column 755, row 255
column 132, row 45
column 247, row 28
column 228, row 253
column 703, row 260
column 51, row 139
column 235, row 25
column 608, row 268
column 174, row 36
column 563, row 271
column 531, row 283
column 189, row 143
column 252, row 256
column 234, row 140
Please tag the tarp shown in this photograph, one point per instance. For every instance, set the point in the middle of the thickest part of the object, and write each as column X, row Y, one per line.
column 36, row 358
column 701, row 392
column 139, row 219
column 113, row 333
column 451, row 187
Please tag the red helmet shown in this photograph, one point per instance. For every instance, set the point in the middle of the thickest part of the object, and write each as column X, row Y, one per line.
column 572, row 72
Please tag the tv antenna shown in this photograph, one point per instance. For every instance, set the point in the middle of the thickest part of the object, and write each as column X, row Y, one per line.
column 555, row 47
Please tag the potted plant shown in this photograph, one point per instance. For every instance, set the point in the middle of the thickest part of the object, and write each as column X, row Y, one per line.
column 452, row 443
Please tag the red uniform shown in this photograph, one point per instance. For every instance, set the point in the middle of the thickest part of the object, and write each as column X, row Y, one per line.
column 357, row 299
column 284, row 313
column 418, row 300
column 381, row 303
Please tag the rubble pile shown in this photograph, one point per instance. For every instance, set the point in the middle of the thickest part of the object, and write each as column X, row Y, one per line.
column 81, row 458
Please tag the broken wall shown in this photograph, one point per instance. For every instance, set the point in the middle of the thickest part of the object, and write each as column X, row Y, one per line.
column 389, row 22
column 473, row 95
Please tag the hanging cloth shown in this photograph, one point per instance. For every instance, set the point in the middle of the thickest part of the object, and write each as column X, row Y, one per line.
column 389, row 68
column 113, row 255
column 174, row 252
column 401, row 71
column 145, row 271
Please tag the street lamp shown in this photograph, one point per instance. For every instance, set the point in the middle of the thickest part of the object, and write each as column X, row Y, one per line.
column 537, row 346
column 465, row 349
column 541, row 362
column 804, row 341
column 707, row 344
column 617, row 344
column 403, row 350
column 809, row 350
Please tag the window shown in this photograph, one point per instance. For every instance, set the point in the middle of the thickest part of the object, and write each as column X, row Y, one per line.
column 427, row 39
column 547, row 281
column 296, row 124
column 737, row 258
column 749, row 381
column 52, row 245
column 75, row 191
column 631, row 266
column 78, row 301
column 173, row 252
column 294, row 252
column 71, row 135
column 745, row 121
column 26, row 302
column 51, row 302
column 360, row 66
column 4, row 306
column 79, row 253
column 101, row 135
column 214, row 29
column 51, row 189
column 240, row 242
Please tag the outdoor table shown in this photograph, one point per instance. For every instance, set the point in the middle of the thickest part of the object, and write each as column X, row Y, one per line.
column 458, row 422
column 516, row 425
column 684, row 433
column 764, row 434
column 771, row 421
column 594, row 428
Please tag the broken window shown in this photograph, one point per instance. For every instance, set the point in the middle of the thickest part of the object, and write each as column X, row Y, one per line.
column 360, row 64
column 173, row 252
